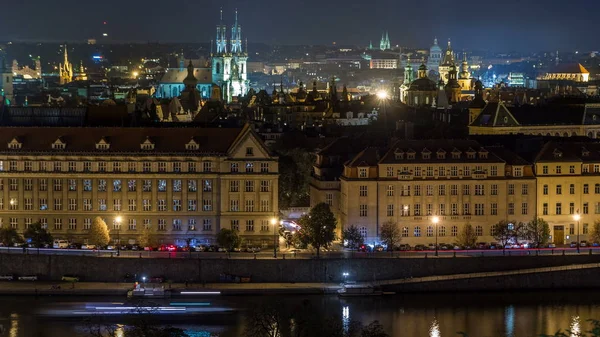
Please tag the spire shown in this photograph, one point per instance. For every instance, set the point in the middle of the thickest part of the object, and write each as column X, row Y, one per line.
column 557, row 58
column 66, row 56
column 435, row 42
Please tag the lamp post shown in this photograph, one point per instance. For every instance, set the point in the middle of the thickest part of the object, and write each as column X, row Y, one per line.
column 118, row 220
column 382, row 95
column 274, row 222
column 435, row 221
column 577, row 217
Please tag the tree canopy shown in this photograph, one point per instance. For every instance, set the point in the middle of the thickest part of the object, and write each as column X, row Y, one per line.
column 318, row 227
column 537, row 232
column 9, row 236
column 466, row 237
column 228, row 239
column 390, row 234
column 352, row 237
column 99, row 234
column 38, row 235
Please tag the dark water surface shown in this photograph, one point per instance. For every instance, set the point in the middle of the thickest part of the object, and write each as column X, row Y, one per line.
column 509, row 314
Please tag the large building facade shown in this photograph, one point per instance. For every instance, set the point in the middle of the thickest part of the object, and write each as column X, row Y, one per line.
column 180, row 184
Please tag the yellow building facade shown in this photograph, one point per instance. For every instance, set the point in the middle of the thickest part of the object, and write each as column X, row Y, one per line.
column 180, row 184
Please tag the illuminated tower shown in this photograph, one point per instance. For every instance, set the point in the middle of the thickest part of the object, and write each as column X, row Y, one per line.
column 221, row 61
column 6, row 82
column 385, row 44
column 447, row 62
column 464, row 77
column 65, row 70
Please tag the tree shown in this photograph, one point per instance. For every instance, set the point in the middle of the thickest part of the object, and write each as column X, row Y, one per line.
column 504, row 232
column 594, row 234
column 9, row 236
column 318, row 227
column 537, row 232
column 390, row 234
column 38, row 235
column 99, row 234
column 145, row 239
column 228, row 239
column 352, row 236
column 295, row 167
column 466, row 237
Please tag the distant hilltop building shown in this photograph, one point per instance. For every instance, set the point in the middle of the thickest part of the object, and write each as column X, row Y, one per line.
column 567, row 72
column 26, row 72
column 384, row 43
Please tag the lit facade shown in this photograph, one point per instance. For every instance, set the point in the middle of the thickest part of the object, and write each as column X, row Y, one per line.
column 178, row 183
column 384, row 63
column 458, row 181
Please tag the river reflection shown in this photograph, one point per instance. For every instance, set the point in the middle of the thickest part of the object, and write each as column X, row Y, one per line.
column 433, row 315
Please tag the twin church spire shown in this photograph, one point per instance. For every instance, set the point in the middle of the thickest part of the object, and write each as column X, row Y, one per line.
column 223, row 45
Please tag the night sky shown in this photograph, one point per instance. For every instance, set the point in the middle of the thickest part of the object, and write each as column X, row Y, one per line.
column 521, row 25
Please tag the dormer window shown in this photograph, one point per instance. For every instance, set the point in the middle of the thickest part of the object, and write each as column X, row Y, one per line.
column 15, row 144
column 363, row 172
column 411, row 154
column 147, row 145
column 456, row 153
column 426, row 154
column 585, row 152
column 399, row 154
column 441, row 154
column 471, row 153
column 249, row 151
column 557, row 153
column 103, row 145
column 483, row 154
column 192, row 145
column 59, row 144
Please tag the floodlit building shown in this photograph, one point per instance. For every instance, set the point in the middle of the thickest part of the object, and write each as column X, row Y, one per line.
column 179, row 184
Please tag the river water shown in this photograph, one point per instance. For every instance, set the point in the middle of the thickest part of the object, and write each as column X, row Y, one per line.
column 508, row 314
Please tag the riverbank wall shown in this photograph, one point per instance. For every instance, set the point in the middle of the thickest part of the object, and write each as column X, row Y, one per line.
column 94, row 269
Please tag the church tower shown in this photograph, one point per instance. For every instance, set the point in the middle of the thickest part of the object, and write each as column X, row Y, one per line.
column 239, row 74
column 221, row 61
column 6, row 82
column 452, row 88
column 385, row 44
column 464, row 77
column 65, row 70
column 447, row 62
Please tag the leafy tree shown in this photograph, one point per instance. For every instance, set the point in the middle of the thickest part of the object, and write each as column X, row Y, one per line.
column 353, row 237
column 99, row 234
column 594, row 234
column 9, row 236
column 38, row 235
column 504, row 232
column 390, row 234
column 228, row 239
column 145, row 239
column 466, row 237
column 318, row 227
column 295, row 167
column 537, row 232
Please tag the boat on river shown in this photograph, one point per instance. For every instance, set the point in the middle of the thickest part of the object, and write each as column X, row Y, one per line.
column 355, row 290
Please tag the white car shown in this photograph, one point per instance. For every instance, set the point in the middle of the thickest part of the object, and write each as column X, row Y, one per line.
column 6, row 277
column 88, row 246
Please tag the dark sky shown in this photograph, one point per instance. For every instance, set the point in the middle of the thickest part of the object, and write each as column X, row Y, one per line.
column 494, row 25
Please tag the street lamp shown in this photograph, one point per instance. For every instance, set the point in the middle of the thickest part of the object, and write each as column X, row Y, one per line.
column 435, row 221
column 118, row 220
column 577, row 217
column 382, row 95
column 274, row 222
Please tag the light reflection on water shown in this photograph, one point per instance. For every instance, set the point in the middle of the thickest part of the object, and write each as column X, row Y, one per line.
column 432, row 315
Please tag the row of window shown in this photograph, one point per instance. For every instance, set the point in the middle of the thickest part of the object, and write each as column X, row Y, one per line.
column 147, row 167
column 453, row 231
column 558, row 208
column 176, row 225
column 478, row 189
column 586, row 189
column 585, row 168
column 87, row 185
column 161, row 205
column 405, row 210
column 442, row 171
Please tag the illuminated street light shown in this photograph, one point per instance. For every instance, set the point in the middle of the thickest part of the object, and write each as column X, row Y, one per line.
column 435, row 221
column 274, row 222
column 577, row 217
column 382, row 95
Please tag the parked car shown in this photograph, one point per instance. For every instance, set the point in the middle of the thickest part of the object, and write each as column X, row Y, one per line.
column 404, row 247
column 88, row 246
column 551, row 245
column 583, row 243
column 495, row 245
column 7, row 277
column 431, row 246
column 378, row 248
column 236, row 250
column 74, row 246
column 596, row 244
column 28, row 278
column 70, row 278
column 573, row 244
column 420, row 247
column 157, row 279
column 60, row 244
column 482, row 245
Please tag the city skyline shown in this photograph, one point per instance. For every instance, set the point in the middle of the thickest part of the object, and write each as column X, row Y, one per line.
column 411, row 24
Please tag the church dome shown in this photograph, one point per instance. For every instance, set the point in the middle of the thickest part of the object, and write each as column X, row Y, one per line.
column 435, row 49
column 423, row 84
